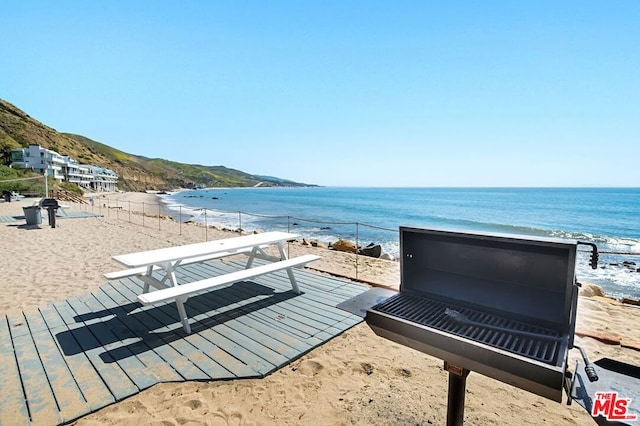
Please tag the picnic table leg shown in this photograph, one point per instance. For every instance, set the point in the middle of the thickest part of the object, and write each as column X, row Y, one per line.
column 183, row 314
column 252, row 256
column 262, row 254
column 292, row 278
column 283, row 253
column 145, row 289
column 170, row 273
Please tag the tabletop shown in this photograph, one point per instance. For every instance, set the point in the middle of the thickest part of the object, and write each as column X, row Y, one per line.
column 183, row 252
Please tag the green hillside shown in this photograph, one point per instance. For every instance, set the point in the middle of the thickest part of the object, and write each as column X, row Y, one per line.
column 17, row 129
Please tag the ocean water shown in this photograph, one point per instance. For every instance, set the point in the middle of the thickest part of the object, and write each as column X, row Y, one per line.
column 609, row 217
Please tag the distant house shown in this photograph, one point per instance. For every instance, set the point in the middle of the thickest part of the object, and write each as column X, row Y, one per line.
column 63, row 168
column 103, row 179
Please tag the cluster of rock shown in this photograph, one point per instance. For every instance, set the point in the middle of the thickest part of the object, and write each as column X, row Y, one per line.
column 371, row 250
column 630, row 265
column 593, row 290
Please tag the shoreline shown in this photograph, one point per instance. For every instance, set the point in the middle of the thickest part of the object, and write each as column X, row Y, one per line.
column 611, row 275
column 356, row 378
column 152, row 197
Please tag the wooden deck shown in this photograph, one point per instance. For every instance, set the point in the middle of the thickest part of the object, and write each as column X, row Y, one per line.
column 81, row 354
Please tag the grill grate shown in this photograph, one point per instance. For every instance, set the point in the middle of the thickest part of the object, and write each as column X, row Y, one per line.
column 513, row 336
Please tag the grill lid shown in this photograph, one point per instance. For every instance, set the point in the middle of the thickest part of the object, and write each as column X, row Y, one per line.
column 49, row 202
column 508, row 275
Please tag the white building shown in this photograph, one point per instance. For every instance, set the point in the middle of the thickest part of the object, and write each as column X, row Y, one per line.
column 77, row 173
column 39, row 159
column 103, row 179
column 64, row 168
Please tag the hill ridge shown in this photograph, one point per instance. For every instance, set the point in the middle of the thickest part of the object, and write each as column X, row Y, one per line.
column 136, row 173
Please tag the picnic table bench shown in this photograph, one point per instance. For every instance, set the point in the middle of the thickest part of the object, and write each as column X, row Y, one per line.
column 166, row 260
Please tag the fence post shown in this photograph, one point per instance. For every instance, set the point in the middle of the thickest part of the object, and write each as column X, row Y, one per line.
column 357, row 245
column 240, row 222
column 129, row 211
column 143, row 214
column 159, row 218
column 180, row 218
column 206, row 227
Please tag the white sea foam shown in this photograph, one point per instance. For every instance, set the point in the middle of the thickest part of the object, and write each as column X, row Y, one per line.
column 604, row 243
column 616, row 280
column 617, row 274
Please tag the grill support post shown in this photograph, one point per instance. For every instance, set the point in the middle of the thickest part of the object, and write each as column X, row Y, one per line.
column 51, row 212
column 456, row 394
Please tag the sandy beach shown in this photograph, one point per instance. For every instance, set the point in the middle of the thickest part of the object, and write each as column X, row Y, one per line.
column 357, row 378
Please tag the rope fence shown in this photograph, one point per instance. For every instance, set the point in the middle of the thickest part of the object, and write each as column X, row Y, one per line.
column 153, row 215
column 151, row 212
column 21, row 179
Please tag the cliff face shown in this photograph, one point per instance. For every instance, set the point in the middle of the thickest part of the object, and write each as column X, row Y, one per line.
column 136, row 173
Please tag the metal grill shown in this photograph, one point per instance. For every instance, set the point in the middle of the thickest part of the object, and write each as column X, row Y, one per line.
column 500, row 305
column 524, row 339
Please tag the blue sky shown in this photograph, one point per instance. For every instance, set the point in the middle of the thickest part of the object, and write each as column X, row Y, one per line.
column 540, row 93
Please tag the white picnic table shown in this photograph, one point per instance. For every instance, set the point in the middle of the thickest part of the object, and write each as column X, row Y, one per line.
column 166, row 260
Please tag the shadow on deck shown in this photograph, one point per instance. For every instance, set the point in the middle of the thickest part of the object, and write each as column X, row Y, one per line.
column 81, row 354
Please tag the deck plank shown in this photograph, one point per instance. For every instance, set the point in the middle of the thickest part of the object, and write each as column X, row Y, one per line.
column 263, row 342
column 71, row 401
column 262, row 309
column 95, row 391
column 116, row 380
column 298, row 315
column 281, row 313
column 14, row 404
column 17, row 324
column 107, row 330
column 98, row 348
column 228, row 307
column 52, row 318
column 154, row 363
column 162, row 322
column 322, row 317
column 41, row 402
column 295, row 323
column 246, row 349
column 165, row 349
column 221, row 365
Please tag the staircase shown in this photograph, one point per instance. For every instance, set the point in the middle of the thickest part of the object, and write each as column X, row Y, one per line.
column 68, row 196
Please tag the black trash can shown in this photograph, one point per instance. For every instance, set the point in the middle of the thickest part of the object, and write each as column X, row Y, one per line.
column 7, row 196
